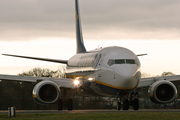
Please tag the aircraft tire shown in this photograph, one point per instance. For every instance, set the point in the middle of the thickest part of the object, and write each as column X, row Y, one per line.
column 126, row 104
column 60, row 104
column 70, row 104
column 135, row 104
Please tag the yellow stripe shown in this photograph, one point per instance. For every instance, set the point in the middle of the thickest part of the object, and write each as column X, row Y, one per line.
column 74, row 76
column 115, row 86
column 34, row 96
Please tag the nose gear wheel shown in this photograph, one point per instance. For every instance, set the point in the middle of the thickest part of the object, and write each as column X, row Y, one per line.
column 126, row 104
column 135, row 104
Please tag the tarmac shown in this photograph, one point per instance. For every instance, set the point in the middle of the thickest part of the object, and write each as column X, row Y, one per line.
column 90, row 111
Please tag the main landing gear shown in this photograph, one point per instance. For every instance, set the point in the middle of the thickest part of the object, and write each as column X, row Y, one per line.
column 60, row 105
column 118, row 103
column 136, row 104
column 126, row 103
column 66, row 99
column 69, row 104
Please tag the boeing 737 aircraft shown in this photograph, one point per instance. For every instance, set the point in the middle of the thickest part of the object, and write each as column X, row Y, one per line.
column 110, row 71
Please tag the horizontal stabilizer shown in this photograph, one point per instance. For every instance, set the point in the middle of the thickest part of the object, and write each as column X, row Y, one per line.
column 42, row 59
column 141, row 54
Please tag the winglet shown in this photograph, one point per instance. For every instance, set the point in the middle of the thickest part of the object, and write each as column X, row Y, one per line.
column 79, row 37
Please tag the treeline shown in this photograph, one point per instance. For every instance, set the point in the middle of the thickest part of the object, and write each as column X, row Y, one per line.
column 145, row 75
column 19, row 94
column 39, row 72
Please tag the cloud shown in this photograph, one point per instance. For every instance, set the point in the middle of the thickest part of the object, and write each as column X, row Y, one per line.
column 101, row 20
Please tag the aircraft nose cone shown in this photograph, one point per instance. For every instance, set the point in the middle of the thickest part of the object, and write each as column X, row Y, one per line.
column 128, row 76
column 127, row 71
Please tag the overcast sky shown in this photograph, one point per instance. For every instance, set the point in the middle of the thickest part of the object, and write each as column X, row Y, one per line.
column 102, row 19
column 144, row 26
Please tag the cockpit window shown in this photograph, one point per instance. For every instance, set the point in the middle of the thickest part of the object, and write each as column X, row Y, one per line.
column 129, row 61
column 111, row 62
column 121, row 61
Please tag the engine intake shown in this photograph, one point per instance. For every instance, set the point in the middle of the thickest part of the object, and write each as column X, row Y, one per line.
column 46, row 92
column 162, row 91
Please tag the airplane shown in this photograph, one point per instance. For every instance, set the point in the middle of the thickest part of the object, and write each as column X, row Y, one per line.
column 109, row 71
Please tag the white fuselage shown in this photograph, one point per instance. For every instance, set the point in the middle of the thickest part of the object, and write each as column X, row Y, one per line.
column 107, row 71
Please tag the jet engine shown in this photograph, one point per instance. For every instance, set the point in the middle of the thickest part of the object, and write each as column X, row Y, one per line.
column 46, row 92
column 162, row 92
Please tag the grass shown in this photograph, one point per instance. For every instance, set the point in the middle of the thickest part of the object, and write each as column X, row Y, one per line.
column 97, row 116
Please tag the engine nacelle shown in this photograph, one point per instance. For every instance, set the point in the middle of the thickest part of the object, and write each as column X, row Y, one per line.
column 162, row 91
column 46, row 92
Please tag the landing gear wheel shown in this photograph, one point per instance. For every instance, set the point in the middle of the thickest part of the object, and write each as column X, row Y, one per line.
column 70, row 104
column 118, row 105
column 60, row 105
column 135, row 104
column 126, row 104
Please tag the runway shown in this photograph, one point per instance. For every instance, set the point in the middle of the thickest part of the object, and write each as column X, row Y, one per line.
column 90, row 111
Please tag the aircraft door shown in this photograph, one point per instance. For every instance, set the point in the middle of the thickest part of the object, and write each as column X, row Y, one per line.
column 98, row 66
column 97, row 60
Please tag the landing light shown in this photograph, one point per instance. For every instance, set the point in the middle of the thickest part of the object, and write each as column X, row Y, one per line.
column 76, row 82
column 90, row 79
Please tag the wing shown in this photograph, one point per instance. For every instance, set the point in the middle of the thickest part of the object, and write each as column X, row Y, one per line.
column 161, row 90
column 144, row 82
column 61, row 82
column 37, row 58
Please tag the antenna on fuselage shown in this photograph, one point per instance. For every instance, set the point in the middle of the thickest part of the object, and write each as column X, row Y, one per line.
column 80, row 48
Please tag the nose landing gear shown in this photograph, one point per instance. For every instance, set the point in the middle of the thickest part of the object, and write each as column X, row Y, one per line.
column 134, row 102
column 118, row 103
column 126, row 104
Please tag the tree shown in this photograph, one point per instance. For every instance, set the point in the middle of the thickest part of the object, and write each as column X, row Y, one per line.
column 167, row 74
column 39, row 72
column 145, row 75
